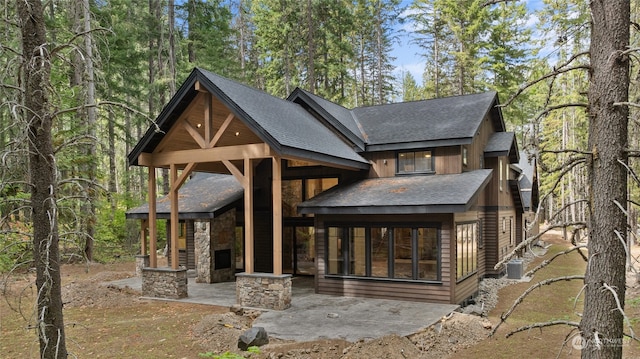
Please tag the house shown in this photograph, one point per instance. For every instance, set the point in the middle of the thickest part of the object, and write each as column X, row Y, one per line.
column 411, row 201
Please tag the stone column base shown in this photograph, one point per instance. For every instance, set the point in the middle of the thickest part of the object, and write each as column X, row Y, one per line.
column 263, row 290
column 142, row 260
column 164, row 283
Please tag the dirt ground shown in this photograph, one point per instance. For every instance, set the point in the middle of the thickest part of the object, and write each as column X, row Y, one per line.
column 216, row 330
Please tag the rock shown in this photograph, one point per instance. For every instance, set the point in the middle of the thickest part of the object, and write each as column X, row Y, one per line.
column 486, row 324
column 473, row 309
column 255, row 336
column 237, row 309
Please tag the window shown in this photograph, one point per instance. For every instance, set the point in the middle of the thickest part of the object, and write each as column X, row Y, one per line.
column 465, row 154
column 403, row 252
column 182, row 235
column 357, row 251
column 380, row 251
column 501, row 175
column 512, row 232
column 334, row 248
column 415, row 162
column 466, row 249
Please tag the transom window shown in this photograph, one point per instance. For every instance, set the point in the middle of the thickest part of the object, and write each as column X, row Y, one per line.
column 467, row 235
column 395, row 252
column 415, row 162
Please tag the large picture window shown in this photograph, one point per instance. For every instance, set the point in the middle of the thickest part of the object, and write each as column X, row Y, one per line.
column 415, row 162
column 466, row 249
column 393, row 252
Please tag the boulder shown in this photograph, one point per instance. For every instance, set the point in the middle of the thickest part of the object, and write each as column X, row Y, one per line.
column 255, row 336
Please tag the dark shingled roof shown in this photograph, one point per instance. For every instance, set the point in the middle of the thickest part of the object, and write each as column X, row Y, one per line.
column 200, row 197
column 400, row 195
column 339, row 117
column 285, row 126
column 502, row 144
column 442, row 121
column 525, row 180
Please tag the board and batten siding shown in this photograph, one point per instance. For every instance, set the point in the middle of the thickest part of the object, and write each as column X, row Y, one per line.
column 186, row 257
column 448, row 160
column 385, row 288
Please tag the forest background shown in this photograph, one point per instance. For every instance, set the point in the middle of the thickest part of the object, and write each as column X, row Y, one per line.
column 116, row 63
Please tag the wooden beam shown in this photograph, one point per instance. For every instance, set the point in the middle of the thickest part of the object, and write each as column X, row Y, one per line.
column 175, row 225
column 198, row 86
column 144, row 224
column 166, row 139
column 183, row 176
column 153, row 232
column 248, row 216
column 230, row 153
column 221, row 130
column 234, row 171
column 277, row 214
column 194, row 133
column 208, row 119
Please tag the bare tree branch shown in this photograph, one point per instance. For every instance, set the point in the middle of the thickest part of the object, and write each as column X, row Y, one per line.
column 546, row 262
column 542, row 325
column 504, row 316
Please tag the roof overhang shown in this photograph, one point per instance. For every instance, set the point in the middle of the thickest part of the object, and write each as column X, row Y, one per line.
column 420, row 144
column 187, row 92
column 516, row 193
column 402, row 195
column 203, row 196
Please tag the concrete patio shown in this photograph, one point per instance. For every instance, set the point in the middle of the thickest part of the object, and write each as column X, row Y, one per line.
column 316, row 316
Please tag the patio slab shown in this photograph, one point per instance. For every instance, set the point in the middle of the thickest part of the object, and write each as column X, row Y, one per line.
column 316, row 316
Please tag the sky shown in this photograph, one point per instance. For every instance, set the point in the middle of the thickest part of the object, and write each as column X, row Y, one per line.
column 406, row 54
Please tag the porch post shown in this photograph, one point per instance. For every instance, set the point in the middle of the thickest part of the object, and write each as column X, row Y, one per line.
column 144, row 223
column 153, row 233
column 277, row 214
column 248, row 216
column 173, row 194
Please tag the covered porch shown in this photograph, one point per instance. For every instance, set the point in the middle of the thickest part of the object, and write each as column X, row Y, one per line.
column 219, row 126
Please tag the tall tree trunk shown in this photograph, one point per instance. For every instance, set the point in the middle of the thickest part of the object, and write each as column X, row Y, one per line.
column 602, row 322
column 92, row 165
column 37, row 70
column 113, row 181
column 311, row 49
column 172, row 48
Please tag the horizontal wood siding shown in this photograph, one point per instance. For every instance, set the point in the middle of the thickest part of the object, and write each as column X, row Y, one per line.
column 381, row 288
column 448, row 160
column 191, row 248
column 490, row 241
column 466, row 288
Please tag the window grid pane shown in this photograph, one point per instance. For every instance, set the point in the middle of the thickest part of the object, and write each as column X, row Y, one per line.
column 380, row 252
column 357, row 250
column 428, row 253
column 402, row 265
column 334, row 265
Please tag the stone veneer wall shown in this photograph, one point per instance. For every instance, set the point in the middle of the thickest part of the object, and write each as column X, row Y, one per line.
column 263, row 290
column 142, row 260
column 164, row 283
column 202, row 243
column 210, row 236
column 223, row 237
